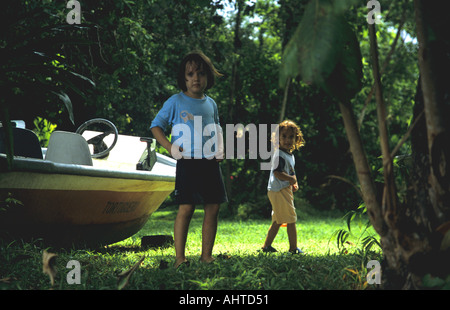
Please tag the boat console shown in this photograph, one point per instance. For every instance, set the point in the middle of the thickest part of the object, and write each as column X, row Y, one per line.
column 86, row 147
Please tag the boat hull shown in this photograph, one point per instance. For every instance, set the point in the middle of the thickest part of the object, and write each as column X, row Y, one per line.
column 77, row 205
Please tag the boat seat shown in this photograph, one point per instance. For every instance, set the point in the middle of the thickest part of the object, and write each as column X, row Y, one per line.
column 68, row 148
column 26, row 143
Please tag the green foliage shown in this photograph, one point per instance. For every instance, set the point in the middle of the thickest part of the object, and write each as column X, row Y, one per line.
column 8, row 204
column 34, row 70
column 258, row 208
column 435, row 283
column 363, row 234
column 43, row 129
column 324, row 51
column 136, row 58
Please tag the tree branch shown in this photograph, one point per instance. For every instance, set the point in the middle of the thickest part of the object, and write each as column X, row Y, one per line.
column 389, row 204
column 382, row 71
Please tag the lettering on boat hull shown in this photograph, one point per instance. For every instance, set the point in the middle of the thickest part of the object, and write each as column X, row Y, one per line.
column 113, row 207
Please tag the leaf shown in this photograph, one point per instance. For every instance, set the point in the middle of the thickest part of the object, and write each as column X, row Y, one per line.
column 67, row 102
column 324, row 50
column 341, row 236
column 432, row 282
column 83, row 78
column 48, row 265
column 308, row 52
column 124, row 277
column 368, row 242
column 355, row 272
column 345, row 80
column 341, row 6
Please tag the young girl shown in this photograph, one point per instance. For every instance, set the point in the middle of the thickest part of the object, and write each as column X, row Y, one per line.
column 282, row 184
column 198, row 175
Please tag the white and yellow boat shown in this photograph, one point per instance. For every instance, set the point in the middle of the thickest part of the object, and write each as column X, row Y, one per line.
column 69, row 195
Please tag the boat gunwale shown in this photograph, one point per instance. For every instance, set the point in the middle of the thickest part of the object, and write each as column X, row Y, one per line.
column 25, row 164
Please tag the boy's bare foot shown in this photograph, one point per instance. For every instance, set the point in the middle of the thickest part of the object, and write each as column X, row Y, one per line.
column 179, row 262
column 207, row 260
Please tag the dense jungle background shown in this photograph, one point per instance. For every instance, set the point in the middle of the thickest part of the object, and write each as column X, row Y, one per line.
column 120, row 63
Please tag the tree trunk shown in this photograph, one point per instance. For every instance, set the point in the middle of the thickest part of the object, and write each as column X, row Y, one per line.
column 6, row 130
column 389, row 200
column 382, row 70
column 415, row 245
column 362, row 168
column 233, row 104
column 434, row 64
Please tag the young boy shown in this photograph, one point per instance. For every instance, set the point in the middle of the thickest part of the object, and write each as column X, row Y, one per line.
column 198, row 174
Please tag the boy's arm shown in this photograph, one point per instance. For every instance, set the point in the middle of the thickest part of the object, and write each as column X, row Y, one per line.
column 159, row 135
column 283, row 176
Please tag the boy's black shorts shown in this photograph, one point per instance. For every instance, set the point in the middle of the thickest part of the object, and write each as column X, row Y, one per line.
column 199, row 181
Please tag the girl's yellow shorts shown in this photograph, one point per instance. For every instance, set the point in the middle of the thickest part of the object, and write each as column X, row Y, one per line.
column 283, row 209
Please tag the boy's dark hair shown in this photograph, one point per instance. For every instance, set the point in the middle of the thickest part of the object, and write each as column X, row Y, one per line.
column 201, row 61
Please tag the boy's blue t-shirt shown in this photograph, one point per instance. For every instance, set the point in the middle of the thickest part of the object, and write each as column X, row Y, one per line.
column 194, row 124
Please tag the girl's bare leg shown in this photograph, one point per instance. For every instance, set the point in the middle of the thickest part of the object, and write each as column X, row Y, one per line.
column 271, row 234
column 292, row 236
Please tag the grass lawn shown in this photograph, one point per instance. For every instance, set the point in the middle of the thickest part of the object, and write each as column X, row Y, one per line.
column 239, row 264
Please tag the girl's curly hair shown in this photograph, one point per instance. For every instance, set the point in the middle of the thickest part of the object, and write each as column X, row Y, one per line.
column 288, row 124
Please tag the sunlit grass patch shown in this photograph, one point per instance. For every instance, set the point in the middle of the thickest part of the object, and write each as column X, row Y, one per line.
column 239, row 262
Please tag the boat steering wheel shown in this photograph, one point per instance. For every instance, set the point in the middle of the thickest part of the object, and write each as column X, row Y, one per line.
column 101, row 150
